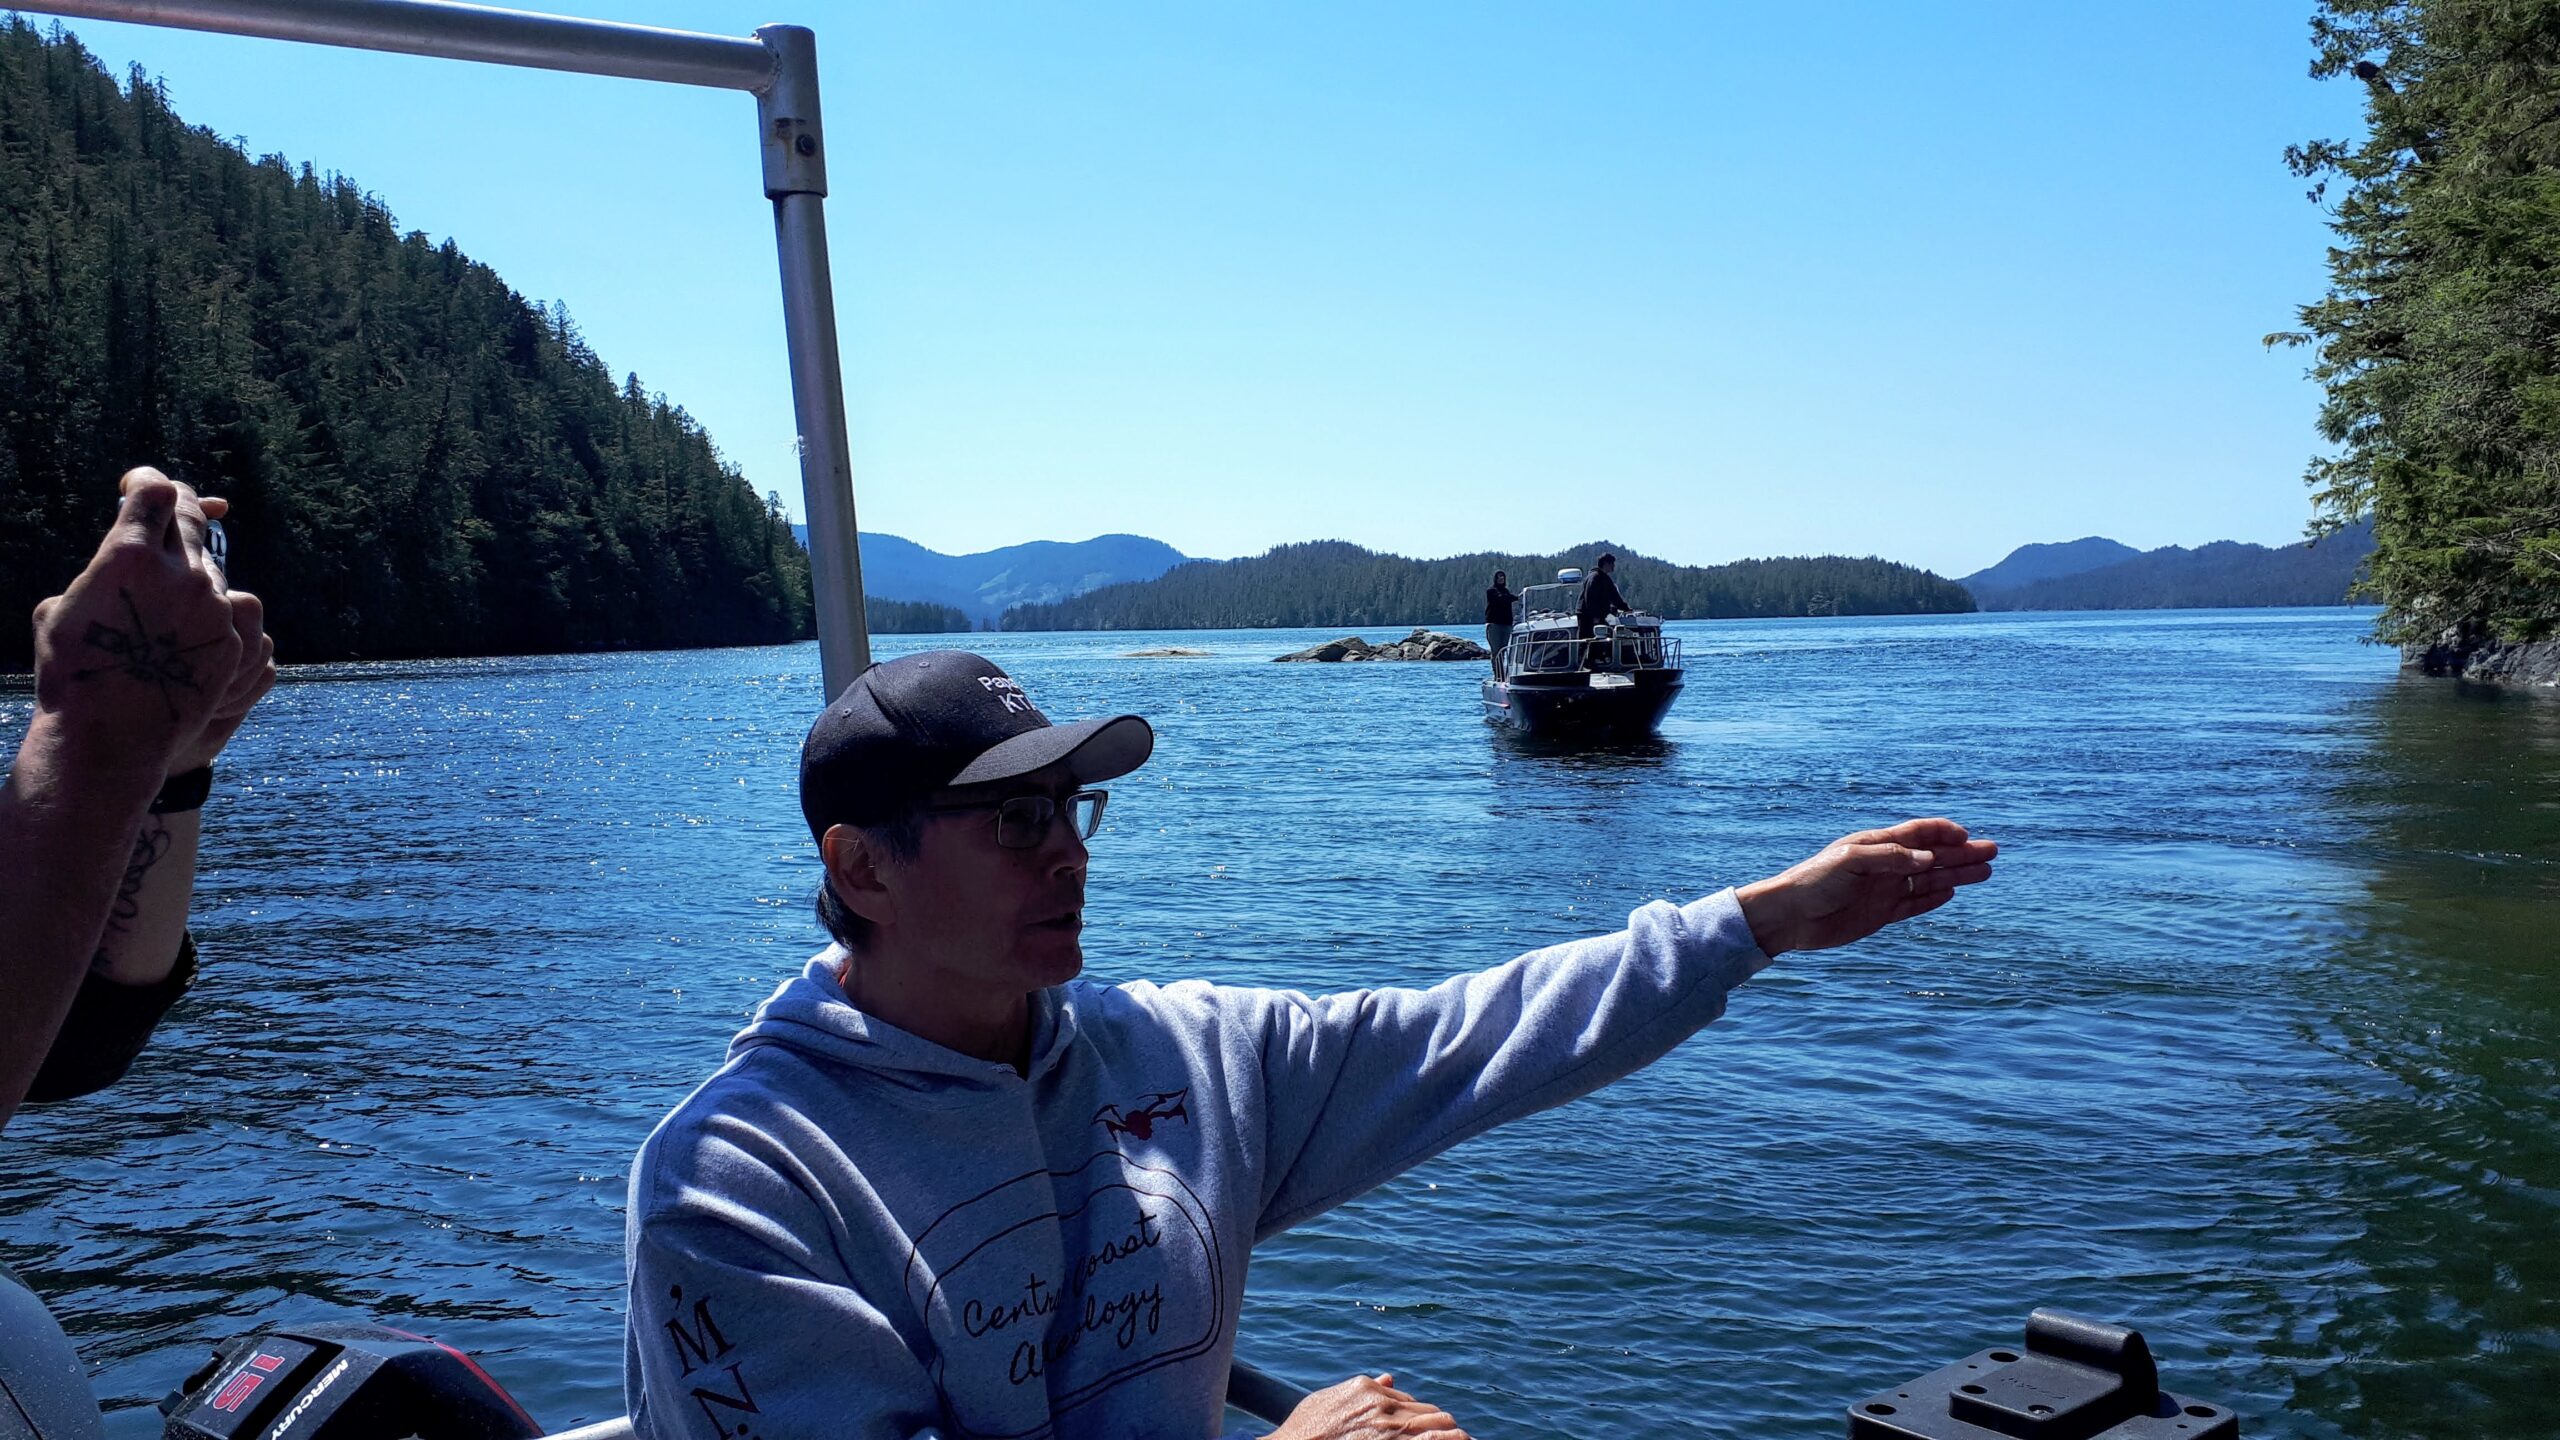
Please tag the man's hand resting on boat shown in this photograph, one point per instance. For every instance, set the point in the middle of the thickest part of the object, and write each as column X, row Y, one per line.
column 1365, row 1407
column 145, row 663
column 1861, row 883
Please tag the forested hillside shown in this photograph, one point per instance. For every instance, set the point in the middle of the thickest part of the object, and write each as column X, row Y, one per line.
column 2226, row 573
column 2030, row 563
column 1327, row 582
column 419, row 460
column 912, row 617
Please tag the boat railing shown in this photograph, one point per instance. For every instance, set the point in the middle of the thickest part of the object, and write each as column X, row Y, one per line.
column 1258, row 1393
column 1546, row 652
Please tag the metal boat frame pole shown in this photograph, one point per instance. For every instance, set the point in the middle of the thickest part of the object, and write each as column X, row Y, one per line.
column 779, row 66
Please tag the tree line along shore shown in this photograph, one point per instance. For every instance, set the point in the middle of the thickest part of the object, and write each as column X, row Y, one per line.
column 1328, row 582
column 423, row 462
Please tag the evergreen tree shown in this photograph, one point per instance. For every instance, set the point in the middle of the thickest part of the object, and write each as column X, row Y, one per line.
column 913, row 617
column 2439, row 341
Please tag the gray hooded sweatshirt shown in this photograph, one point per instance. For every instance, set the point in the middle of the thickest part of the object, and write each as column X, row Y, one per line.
column 851, row 1233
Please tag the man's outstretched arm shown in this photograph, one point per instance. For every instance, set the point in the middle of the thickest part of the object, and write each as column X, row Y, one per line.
column 132, row 663
column 1364, row 1085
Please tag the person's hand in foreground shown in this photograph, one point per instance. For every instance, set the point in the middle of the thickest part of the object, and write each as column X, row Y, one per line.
column 1861, row 883
column 1365, row 1407
column 145, row 667
column 149, row 923
column 253, row 674
column 145, row 658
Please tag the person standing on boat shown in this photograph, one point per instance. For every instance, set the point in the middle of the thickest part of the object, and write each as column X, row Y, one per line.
column 1600, row 600
column 943, row 1186
column 1501, row 608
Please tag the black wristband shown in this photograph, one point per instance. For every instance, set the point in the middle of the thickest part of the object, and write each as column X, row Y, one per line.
column 181, row 793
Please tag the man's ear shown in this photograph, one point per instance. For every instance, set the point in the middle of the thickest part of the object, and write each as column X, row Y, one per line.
column 853, row 868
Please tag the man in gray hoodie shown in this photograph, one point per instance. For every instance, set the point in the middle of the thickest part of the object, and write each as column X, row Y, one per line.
column 944, row 1188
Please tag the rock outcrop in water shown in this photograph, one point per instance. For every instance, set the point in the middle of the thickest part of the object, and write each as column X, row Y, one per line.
column 2487, row 662
column 1422, row 644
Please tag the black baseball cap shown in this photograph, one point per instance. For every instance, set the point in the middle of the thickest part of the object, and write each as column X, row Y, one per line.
column 910, row 726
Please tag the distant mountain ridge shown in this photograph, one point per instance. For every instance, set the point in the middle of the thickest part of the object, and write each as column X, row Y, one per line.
column 1131, row 582
column 2030, row 563
column 1330, row 582
column 986, row 584
column 2100, row 574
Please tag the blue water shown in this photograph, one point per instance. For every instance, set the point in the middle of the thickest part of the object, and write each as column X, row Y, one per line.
column 2251, row 1041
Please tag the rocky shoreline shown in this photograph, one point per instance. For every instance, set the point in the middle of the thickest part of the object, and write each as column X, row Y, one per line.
column 2487, row 662
column 1422, row 644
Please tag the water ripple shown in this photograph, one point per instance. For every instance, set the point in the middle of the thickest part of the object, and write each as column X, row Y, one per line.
column 2252, row 1043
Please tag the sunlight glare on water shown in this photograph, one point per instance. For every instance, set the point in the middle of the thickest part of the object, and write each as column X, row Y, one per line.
column 2249, row 1044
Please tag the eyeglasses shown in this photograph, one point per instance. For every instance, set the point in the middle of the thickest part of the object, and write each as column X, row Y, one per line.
column 1023, row 821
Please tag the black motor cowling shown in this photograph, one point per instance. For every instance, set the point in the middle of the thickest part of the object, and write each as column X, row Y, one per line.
column 342, row 1382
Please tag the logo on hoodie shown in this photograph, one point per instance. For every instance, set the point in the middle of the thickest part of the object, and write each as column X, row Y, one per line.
column 1141, row 1119
column 1053, row 1289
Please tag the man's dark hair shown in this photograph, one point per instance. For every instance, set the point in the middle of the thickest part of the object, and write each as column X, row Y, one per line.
column 1501, row 575
column 1606, row 558
column 901, row 838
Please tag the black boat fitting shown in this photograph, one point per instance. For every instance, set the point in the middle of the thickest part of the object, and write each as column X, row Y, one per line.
column 2077, row 1379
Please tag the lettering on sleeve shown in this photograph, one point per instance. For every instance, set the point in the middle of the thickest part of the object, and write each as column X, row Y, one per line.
column 719, row 1391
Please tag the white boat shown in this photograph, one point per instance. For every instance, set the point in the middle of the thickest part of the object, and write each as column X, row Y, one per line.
column 1615, row 686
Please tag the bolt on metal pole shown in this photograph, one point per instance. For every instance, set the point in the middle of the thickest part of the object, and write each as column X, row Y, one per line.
column 779, row 66
column 795, row 179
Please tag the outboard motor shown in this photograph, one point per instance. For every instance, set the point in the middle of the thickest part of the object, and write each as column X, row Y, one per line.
column 343, row 1382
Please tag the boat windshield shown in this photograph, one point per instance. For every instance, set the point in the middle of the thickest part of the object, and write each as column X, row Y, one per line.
column 1550, row 600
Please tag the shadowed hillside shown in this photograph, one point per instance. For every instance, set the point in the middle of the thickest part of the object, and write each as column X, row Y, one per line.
column 2221, row 575
column 419, row 460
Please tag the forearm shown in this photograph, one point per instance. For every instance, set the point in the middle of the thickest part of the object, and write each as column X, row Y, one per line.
column 1373, row 1081
column 149, row 916
column 67, row 829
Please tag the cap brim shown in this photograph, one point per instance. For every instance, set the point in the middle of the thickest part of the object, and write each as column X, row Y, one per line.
column 1091, row 750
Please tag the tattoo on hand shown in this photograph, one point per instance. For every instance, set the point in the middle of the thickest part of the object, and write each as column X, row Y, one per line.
column 138, row 654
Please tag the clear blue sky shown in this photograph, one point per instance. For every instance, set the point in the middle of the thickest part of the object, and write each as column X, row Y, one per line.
column 1923, row 281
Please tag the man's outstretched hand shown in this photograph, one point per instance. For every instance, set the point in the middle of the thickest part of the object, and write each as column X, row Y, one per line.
column 1861, row 883
column 1365, row 1407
